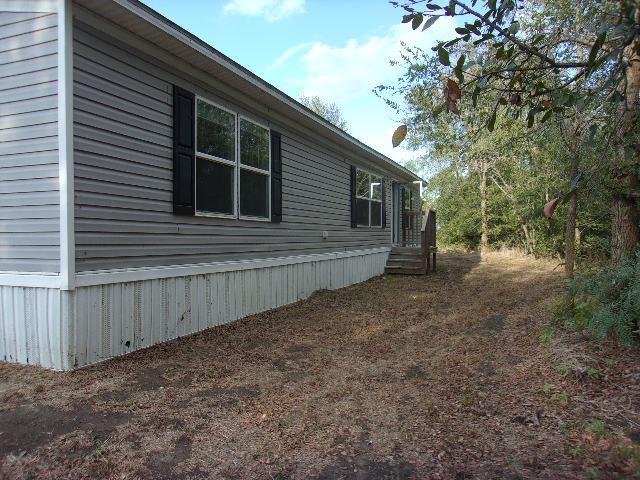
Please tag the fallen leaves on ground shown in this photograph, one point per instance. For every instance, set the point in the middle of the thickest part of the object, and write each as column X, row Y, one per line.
column 442, row 376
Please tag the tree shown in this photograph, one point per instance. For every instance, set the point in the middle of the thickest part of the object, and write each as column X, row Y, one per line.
column 527, row 56
column 459, row 141
column 504, row 176
column 327, row 110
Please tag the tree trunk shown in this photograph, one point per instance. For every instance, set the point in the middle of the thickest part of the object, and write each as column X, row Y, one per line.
column 484, row 216
column 572, row 213
column 625, row 231
column 527, row 240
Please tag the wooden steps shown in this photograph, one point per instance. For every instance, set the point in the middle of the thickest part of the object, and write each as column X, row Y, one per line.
column 405, row 261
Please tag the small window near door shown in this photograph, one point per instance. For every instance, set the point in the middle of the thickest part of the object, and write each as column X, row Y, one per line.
column 376, row 201
column 408, row 199
column 368, row 199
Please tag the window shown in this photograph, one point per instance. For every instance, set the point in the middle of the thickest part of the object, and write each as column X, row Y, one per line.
column 408, row 199
column 368, row 199
column 255, row 181
column 233, row 164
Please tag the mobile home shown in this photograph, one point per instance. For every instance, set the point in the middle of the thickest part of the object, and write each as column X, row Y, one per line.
column 150, row 187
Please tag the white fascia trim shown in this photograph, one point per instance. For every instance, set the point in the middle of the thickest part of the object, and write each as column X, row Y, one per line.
column 269, row 90
column 28, row 5
column 102, row 277
column 35, row 279
column 65, row 144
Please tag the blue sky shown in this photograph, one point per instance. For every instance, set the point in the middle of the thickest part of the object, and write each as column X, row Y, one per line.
column 337, row 49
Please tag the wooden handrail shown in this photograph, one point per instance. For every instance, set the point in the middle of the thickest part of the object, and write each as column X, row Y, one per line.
column 428, row 241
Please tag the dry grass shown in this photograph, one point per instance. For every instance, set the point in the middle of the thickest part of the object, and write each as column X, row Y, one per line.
column 400, row 377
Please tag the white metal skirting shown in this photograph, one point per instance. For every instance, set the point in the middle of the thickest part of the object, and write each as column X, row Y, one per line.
column 31, row 330
column 108, row 320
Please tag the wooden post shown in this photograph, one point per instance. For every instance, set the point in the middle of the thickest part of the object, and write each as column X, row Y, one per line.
column 433, row 240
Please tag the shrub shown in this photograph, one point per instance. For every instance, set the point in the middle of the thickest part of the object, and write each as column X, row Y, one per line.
column 607, row 302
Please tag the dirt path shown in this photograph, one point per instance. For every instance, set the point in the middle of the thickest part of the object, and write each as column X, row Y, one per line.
column 397, row 378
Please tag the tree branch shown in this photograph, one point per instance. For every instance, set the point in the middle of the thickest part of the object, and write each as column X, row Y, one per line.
column 520, row 44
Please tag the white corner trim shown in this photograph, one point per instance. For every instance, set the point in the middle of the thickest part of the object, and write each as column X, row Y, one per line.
column 28, row 5
column 101, row 277
column 65, row 144
column 34, row 279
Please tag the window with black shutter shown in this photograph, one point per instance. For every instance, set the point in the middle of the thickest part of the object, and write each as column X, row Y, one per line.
column 225, row 165
column 276, row 177
column 183, row 152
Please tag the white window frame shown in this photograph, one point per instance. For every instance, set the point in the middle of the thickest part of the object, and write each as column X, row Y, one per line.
column 212, row 158
column 249, row 168
column 237, row 166
column 369, row 198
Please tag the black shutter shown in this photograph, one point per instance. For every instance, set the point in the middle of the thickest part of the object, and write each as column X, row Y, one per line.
column 384, row 205
column 354, row 217
column 276, row 177
column 184, row 152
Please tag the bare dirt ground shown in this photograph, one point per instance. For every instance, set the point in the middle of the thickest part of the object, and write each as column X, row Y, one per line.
column 442, row 376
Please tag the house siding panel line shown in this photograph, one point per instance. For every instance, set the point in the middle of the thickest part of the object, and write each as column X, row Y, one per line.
column 29, row 192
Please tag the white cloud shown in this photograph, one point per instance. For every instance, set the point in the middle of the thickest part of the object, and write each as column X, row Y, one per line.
column 347, row 74
column 271, row 10
column 288, row 54
column 355, row 68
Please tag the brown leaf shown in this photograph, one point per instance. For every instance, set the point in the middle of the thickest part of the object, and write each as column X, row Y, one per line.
column 550, row 207
column 452, row 106
column 547, row 104
column 399, row 135
column 452, row 94
column 453, row 90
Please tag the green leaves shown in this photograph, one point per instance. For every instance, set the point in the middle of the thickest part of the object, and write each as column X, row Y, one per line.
column 438, row 110
column 399, row 135
column 474, row 96
column 443, row 56
column 593, row 53
column 416, row 21
column 430, row 21
column 458, row 69
column 531, row 115
column 417, row 18
column 491, row 124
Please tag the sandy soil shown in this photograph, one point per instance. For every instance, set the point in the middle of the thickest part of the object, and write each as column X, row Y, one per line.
column 442, row 376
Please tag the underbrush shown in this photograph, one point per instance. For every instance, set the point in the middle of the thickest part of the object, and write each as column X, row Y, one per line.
column 605, row 303
column 454, row 248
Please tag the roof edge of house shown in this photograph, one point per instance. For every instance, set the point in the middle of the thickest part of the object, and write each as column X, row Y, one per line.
column 182, row 34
